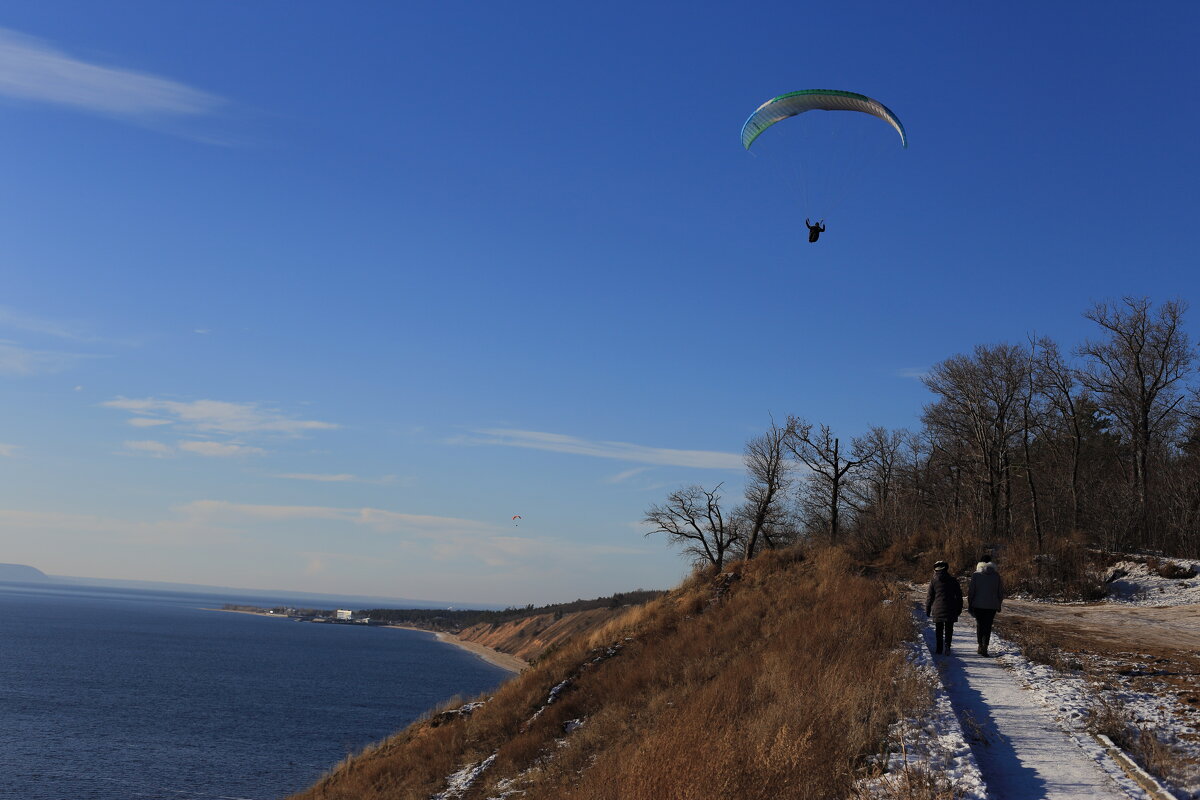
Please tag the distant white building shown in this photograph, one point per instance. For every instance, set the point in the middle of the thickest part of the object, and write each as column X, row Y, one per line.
column 345, row 614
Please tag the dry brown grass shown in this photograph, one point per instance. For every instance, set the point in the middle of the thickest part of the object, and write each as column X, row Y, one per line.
column 777, row 682
column 912, row 557
column 530, row 638
column 1064, row 569
column 1039, row 644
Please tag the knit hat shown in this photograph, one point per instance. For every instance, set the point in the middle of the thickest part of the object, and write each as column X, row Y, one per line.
column 938, row 566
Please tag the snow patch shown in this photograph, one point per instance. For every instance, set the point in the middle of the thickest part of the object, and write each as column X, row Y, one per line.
column 1135, row 583
column 458, row 783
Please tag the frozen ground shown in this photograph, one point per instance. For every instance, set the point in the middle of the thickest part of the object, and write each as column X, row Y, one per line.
column 1075, row 695
column 1117, row 625
column 1134, row 655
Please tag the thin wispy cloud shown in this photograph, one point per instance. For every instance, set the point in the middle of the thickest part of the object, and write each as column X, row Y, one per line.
column 159, row 449
column 621, row 477
column 16, row 359
column 34, row 70
column 379, row 519
column 334, row 478
column 221, row 509
column 8, row 450
column 220, row 449
column 113, row 530
column 150, row 448
column 915, row 373
column 444, row 538
column 216, row 416
column 622, row 451
column 29, row 323
column 216, row 428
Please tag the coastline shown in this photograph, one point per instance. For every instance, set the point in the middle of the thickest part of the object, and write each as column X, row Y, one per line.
column 488, row 654
column 243, row 611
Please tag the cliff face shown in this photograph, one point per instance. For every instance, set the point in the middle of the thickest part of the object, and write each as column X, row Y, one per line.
column 530, row 637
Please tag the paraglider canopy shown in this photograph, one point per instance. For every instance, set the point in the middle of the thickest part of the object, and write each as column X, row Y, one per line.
column 822, row 155
column 793, row 103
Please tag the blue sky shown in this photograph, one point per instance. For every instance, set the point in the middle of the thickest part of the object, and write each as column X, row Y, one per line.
column 315, row 298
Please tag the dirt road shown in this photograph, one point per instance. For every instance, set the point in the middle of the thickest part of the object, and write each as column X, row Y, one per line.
column 1118, row 626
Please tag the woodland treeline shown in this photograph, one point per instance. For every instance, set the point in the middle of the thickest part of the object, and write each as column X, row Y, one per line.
column 1025, row 445
column 457, row 619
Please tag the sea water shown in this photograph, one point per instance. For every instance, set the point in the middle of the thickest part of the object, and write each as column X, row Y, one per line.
column 110, row 694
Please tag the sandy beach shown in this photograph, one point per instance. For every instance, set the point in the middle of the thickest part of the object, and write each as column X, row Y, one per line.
column 494, row 657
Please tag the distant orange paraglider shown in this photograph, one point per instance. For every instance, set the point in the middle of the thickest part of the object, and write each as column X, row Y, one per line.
column 515, row 518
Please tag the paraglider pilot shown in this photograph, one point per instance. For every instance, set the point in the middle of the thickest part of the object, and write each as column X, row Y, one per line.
column 814, row 231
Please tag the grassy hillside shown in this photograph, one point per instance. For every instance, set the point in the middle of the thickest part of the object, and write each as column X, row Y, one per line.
column 529, row 638
column 776, row 680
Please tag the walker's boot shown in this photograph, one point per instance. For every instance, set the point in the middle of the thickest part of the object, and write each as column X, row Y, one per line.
column 937, row 650
column 981, row 651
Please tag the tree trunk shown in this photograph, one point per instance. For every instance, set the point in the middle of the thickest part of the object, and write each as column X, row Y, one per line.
column 834, row 495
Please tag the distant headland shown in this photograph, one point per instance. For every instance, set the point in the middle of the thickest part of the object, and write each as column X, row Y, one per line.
column 21, row 572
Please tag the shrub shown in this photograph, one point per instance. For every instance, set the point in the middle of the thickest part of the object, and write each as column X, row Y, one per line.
column 1174, row 571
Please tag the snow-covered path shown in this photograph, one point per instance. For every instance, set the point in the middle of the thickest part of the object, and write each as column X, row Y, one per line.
column 1022, row 751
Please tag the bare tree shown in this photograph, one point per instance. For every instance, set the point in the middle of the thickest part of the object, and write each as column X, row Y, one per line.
column 692, row 517
column 1066, row 400
column 1136, row 376
column 767, row 483
column 980, row 404
column 879, row 451
column 830, row 470
column 1032, row 414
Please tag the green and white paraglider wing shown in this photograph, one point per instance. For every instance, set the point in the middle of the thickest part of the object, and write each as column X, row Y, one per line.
column 793, row 103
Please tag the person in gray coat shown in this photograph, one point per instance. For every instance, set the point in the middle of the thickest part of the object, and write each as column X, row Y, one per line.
column 985, row 595
column 943, row 605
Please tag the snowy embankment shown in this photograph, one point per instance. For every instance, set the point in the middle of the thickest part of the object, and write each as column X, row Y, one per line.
column 1138, row 583
column 935, row 745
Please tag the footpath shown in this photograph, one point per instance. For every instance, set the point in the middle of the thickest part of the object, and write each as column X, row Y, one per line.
column 1022, row 751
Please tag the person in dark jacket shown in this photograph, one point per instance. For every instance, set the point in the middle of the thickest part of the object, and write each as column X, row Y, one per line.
column 943, row 605
column 985, row 595
column 814, row 231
